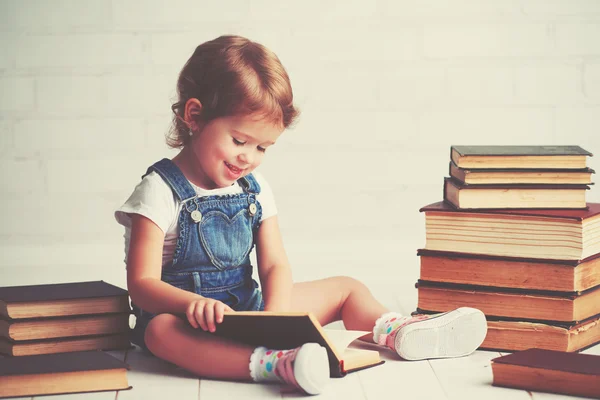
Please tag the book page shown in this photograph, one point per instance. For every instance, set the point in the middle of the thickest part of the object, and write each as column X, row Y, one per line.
column 341, row 338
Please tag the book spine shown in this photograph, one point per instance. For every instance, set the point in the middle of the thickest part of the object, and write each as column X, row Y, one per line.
column 3, row 310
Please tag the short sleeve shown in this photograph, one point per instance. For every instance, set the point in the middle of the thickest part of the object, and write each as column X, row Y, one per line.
column 265, row 197
column 153, row 199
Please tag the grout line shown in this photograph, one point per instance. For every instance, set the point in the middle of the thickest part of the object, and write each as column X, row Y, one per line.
column 362, row 387
column 199, row 384
column 438, row 379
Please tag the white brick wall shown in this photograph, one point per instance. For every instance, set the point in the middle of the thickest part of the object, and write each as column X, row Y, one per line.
column 385, row 88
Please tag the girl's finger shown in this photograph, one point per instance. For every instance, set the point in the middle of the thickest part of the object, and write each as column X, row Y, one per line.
column 199, row 315
column 189, row 313
column 219, row 310
column 209, row 316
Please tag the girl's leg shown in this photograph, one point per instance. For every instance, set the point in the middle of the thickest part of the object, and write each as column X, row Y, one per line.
column 173, row 339
column 339, row 298
column 452, row 334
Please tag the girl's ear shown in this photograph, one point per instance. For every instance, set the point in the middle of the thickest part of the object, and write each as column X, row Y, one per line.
column 192, row 112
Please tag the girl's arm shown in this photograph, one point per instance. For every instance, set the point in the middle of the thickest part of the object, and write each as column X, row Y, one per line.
column 273, row 267
column 149, row 292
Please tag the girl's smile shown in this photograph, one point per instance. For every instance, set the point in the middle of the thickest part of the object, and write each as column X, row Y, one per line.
column 235, row 172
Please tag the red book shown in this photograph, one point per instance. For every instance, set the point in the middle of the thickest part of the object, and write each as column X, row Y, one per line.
column 549, row 371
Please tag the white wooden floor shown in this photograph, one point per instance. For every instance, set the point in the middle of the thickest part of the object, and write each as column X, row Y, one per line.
column 460, row 378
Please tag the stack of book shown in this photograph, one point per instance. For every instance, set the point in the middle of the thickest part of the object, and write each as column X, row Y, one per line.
column 66, row 317
column 532, row 268
column 517, row 177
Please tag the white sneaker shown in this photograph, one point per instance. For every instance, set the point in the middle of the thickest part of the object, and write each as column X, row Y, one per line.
column 455, row 333
column 306, row 368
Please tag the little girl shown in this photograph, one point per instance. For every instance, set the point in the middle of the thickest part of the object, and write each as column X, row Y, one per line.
column 192, row 222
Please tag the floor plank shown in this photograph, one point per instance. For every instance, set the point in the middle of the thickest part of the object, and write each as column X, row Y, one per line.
column 224, row 390
column 347, row 388
column 471, row 377
column 414, row 379
column 593, row 350
column 152, row 377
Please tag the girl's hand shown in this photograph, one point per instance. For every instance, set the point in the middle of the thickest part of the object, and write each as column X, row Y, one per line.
column 205, row 312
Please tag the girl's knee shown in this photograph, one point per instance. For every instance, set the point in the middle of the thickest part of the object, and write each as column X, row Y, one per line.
column 349, row 284
column 157, row 331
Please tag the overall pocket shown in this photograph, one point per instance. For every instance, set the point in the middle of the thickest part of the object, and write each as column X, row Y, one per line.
column 227, row 241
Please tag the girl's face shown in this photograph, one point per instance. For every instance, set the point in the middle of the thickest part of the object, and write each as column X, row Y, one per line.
column 227, row 148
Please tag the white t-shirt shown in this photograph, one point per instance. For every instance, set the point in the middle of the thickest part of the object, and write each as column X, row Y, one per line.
column 154, row 199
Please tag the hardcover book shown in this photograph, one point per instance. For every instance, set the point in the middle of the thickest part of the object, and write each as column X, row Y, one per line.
column 62, row 299
column 543, row 234
column 510, row 272
column 82, row 325
column 513, row 335
column 565, row 157
column 78, row 372
column 119, row 341
column 465, row 196
column 514, row 303
column 551, row 371
column 290, row 330
column 521, row 176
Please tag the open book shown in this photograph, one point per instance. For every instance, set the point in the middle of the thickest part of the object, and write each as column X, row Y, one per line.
column 290, row 330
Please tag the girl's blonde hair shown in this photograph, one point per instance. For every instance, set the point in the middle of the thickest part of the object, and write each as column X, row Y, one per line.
column 232, row 75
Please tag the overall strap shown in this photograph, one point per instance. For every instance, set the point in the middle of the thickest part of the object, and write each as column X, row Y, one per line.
column 249, row 184
column 174, row 177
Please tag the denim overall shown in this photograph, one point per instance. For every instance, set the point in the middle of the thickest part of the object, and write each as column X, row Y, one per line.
column 212, row 254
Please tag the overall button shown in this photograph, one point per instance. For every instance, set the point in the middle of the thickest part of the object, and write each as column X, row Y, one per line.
column 196, row 215
column 252, row 209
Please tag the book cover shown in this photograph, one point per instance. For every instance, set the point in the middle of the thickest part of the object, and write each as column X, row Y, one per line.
column 61, row 299
column 591, row 210
column 290, row 330
column 456, row 254
column 551, row 157
column 75, row 372
column 549, row 371
column 59, row 291
column 495, row 150
column 588, row 364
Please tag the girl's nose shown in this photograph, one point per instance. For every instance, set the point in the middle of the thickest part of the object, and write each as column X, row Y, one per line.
column 246, row 157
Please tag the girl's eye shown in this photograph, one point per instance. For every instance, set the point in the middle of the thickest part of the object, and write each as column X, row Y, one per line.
column 261, row 149
column 238, row 143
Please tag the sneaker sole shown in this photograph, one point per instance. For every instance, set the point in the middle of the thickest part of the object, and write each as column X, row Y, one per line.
column 453, row 334
column 311, row 368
